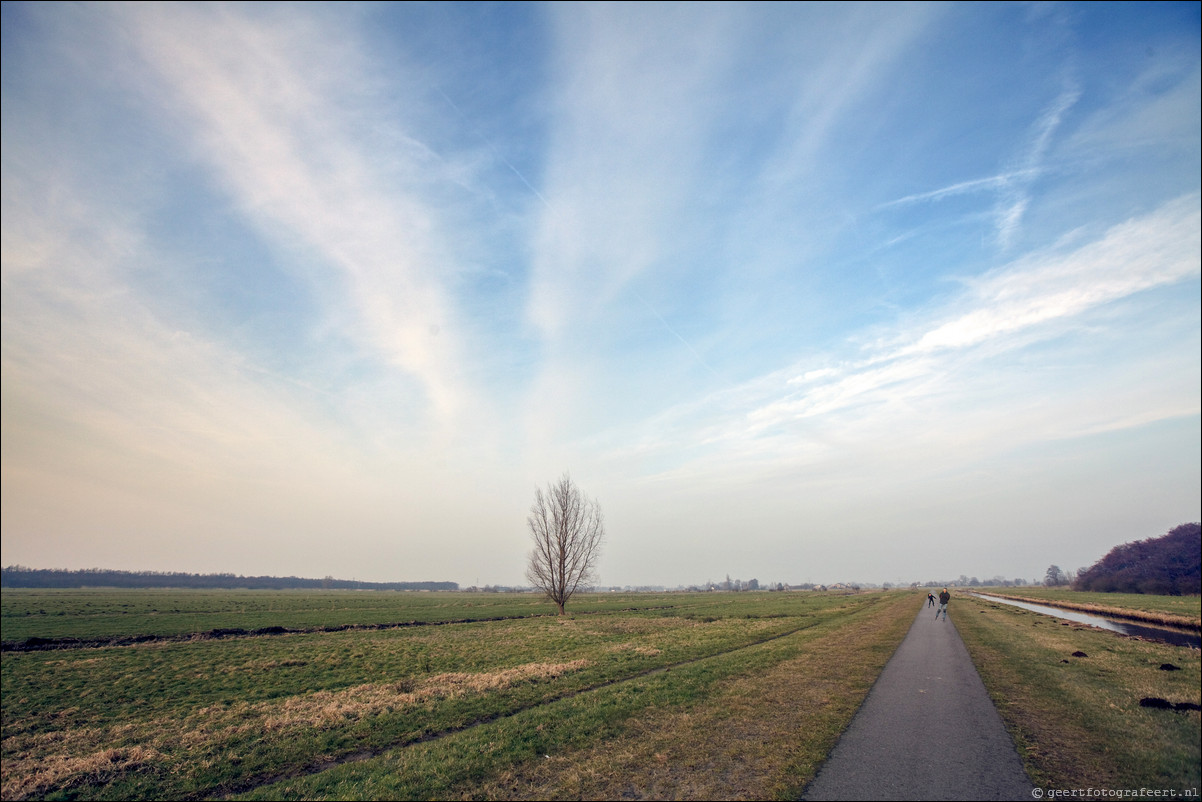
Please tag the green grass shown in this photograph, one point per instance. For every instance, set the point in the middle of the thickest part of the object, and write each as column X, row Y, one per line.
column 1077, row 719
column 775, row 707
column 89, row 613
column 1184, row 607
column 493, row 696
column 181, row 719
column 106, row 613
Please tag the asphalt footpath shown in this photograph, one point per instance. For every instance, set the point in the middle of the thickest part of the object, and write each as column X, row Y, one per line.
column 927, row 729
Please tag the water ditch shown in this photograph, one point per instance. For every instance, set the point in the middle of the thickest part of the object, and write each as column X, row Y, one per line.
column 1176, row 637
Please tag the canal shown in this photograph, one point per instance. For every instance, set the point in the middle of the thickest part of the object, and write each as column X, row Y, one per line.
column 1177, row 637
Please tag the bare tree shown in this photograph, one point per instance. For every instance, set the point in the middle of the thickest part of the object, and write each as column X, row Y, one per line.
column 567, row 528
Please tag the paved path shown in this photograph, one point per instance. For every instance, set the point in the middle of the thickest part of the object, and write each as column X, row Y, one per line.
column 928, row 730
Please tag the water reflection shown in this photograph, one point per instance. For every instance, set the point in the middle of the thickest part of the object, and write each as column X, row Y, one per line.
column 1174, row 636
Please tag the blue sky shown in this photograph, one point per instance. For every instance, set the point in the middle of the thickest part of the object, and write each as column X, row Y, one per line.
column 884, row 292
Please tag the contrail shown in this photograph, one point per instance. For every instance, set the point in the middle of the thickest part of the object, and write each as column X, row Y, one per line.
column 660, row 318
column 993, row 182
column 494, row 149
column 539, row 195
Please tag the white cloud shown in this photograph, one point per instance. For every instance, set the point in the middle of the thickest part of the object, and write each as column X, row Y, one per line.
column 134, row 436
column 694, row 208
column 632, row 116
column 1014, row 197
column 1159, row 249
column 272, row 100
column 993, row 182
column 932, row 386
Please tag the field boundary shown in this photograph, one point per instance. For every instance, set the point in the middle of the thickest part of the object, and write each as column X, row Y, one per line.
column 40, row 644
column 37, row 643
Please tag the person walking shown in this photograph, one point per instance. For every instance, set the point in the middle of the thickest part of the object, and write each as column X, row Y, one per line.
column 944, row 598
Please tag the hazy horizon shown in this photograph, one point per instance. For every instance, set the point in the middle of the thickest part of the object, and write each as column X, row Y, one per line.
column 798, row 292
column 739, row 584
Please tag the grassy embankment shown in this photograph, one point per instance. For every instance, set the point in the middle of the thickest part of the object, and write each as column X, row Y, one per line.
column 702, row 695
column 1174, row 611
column 1070, row 695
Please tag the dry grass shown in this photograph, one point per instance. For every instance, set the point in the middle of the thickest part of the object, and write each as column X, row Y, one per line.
column 1147, row 617
column 647, row 651
column 760, row 736
column 63, row 758
column 444, row 710
column 1077, row 720
column 260, row 666
column 26, row 777
column 328, row 708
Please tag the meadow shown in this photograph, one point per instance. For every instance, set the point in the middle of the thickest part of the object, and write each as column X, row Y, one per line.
column 1179, row 611
column 398, row 695
column 1070, row 694
column 385, row 695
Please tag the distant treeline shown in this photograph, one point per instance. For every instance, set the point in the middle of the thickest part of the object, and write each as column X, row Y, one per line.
column 17, row 576
column 1169, row 565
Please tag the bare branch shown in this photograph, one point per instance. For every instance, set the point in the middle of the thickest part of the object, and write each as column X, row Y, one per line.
column 567, row 528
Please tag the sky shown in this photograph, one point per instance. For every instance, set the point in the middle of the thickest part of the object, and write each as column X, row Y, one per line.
column 796, row 292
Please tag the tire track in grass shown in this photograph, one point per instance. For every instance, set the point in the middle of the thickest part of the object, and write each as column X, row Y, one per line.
column 39, row 644
column 318, row 767
column 754, row 735
column 617, row 674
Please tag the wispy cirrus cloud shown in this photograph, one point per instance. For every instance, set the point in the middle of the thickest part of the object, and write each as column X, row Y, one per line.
column 891, row 386
column 995, row 182
column 1134, row 256
column 1014, row 196
column 645, row 152
column 126, row 393
column 114, row 408
column 661, row 188
column 631, row 120
column 279, row 108
column 1012, row 186
column 279, row 276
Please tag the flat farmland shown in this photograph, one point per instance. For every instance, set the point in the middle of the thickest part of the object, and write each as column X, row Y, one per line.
column 382, row 695
column 337, row 694
column 1179, row 611
column 1076, row 699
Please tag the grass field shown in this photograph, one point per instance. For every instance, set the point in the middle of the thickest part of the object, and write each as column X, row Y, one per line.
column 1183, row 611
column 475, row 707
column 1070, row 696
column 99, row 613
column 382, row 695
